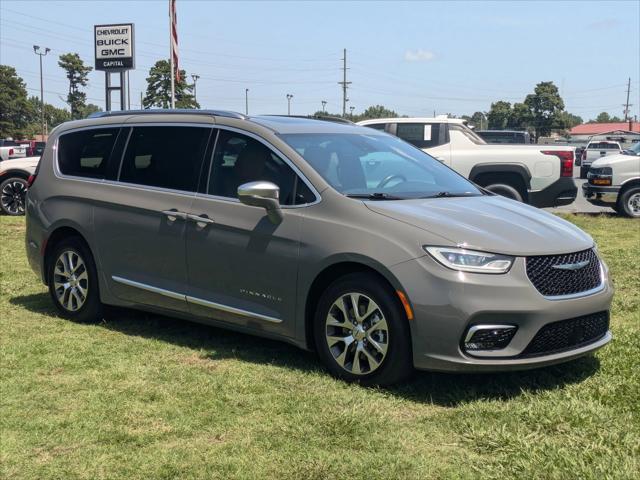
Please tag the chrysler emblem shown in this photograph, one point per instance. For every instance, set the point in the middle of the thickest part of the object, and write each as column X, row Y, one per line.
column 572, row 266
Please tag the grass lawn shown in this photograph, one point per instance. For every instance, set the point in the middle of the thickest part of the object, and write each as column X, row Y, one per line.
column 143, row 396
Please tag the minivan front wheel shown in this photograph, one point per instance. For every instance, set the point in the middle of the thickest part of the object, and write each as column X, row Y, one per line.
column 13, row 192
column 73, row 281
column 361, row 332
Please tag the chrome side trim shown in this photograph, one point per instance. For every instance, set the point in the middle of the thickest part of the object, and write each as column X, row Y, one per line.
column 149, row 288
column 236, row 311
column 197, row 301
column 475, row 328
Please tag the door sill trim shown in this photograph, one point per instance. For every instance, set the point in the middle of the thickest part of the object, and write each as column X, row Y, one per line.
column 236, row 311
column 149, row 288
column 194, row 300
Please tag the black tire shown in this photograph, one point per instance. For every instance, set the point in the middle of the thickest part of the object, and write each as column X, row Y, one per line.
column 505, row 190
column 629, row 202
column 397, row 364
column 13, row 193
column 91, row 310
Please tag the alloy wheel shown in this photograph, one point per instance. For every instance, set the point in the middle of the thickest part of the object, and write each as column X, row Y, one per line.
column 634, row 204
column 70, row 280
column 357, row 333
column 13, row 196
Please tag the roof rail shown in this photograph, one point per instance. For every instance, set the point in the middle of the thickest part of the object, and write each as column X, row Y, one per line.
column 173, row 111
column 314, row 117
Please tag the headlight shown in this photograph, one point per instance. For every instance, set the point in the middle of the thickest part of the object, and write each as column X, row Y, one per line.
column 470, row 260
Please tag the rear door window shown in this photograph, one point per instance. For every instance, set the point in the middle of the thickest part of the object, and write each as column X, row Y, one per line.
column 165, row 157
column 422, row 135
column 86, row 153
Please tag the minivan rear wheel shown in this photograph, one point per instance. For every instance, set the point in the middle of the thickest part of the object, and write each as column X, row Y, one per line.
column 73, row 281
column 361, row 332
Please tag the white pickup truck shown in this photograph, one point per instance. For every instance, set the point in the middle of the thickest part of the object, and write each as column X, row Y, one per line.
column 540, row 175
column 594, row 150
column 11, row 149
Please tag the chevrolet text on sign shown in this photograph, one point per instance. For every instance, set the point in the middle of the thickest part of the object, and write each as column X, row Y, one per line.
column 114, row 46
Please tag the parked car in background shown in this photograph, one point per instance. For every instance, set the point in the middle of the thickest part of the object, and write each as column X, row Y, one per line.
column 540, row 175
column 326, row 235
column 14, row 181
column 596, row 150
column 614, row 181
column 11, row 149
column 505, row 136
column 34, row 147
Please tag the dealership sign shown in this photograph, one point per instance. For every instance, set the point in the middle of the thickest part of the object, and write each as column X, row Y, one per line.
column 114, row 47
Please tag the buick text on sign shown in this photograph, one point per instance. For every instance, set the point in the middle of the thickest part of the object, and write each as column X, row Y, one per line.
column 114, row 46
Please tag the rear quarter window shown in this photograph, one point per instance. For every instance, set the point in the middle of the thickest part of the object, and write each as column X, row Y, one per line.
column 86, row 153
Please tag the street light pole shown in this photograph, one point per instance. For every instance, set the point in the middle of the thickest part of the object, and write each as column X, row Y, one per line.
column 38, row 51
column 246, row 101
column 289, row 97
column 351, row 108
column 324, row 104
column 195, row 81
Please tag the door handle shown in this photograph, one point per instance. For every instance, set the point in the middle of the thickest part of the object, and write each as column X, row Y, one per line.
column 173, row 215
column 201, row 220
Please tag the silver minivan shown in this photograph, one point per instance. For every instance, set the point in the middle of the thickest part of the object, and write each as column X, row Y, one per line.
column 326, row 235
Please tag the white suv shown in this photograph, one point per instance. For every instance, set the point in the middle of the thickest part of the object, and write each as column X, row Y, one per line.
column 541, row 175
column 14, row 181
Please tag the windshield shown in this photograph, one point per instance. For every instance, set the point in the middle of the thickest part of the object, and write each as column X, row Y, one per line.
column 378, row 166
column 635, row 148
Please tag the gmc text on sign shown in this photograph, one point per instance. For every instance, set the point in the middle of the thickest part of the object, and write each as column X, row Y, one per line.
column 114, row 47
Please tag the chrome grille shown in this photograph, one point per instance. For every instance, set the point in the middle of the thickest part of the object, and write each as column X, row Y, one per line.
column 555, row 275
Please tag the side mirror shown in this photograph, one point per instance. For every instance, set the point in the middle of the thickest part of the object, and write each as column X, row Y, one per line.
column 262, row 194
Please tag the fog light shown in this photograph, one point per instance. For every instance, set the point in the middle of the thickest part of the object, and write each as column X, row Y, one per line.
column 488, row 337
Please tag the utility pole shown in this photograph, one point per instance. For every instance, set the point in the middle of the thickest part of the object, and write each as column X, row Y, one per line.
column 38, row 51
column 289, row 97
column 627, row 105
column 246, row 101
column 324, row 104
column 344, row 83
column 195, row 80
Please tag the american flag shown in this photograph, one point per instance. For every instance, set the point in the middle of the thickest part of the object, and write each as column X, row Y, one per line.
column 174, row 38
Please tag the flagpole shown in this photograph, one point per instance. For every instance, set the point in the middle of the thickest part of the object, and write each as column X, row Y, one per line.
column 171, row 49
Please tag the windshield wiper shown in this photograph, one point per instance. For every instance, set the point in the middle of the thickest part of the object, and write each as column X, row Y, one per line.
column 450, row 194
column 374, row 196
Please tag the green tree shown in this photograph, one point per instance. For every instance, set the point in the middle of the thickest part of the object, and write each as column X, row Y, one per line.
column 604, row 117
column 478, row 120
column 498, row 115
column 77, row 74
column 376, row 111
column 520, row 117
column 159, row 88
column 89, row 109
column 15, row 110
column 568, row 120
column 53, row 117
column 546, row 106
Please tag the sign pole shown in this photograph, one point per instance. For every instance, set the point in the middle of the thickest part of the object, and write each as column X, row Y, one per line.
column 171, row 52
column 123, row 91
column 107, row 91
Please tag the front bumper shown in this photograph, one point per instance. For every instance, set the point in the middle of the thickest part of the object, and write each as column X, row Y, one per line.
column 600, row 196
column 447, row 302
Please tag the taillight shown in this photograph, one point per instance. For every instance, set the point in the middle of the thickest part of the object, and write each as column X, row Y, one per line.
column 30, row 180
column 10, row 151
column 566, row 161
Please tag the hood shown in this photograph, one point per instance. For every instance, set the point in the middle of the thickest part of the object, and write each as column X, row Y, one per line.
column 489, row 223
column 611, row 160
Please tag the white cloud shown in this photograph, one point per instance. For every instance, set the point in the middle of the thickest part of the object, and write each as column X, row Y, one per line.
column 419, row 55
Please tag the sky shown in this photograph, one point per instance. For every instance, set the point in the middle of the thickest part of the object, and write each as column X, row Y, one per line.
column 416, row 58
